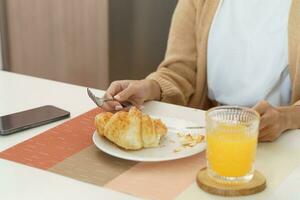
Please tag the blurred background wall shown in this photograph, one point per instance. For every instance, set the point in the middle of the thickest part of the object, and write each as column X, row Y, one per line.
column 65, row 40
column 1, row 62
column 2, row 28
column 90, row 43
column 138, row 36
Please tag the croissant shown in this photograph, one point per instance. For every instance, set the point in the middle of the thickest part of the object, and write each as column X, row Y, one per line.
column 130, row 130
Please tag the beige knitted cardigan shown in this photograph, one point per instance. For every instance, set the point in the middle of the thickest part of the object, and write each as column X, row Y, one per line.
column 182, row 74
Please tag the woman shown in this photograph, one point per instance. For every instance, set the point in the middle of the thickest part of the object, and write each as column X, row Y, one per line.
column 228, row 52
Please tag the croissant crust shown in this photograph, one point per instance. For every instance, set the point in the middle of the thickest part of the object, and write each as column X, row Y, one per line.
column 130, row 130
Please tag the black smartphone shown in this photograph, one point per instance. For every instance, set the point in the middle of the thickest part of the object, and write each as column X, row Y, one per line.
column 31, row 118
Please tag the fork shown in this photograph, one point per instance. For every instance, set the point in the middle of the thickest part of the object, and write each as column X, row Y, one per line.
column 100, row 101
column 195, row 127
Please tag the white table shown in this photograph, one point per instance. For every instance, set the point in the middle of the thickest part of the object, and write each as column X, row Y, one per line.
column 18, row 92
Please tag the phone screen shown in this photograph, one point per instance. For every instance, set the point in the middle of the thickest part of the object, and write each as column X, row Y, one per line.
column 30, row 118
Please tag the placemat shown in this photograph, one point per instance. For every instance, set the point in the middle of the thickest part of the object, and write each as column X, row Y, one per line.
column 68, row 150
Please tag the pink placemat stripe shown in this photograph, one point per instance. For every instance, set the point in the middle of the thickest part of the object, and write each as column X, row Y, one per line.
column 55, row 145
column 164, row 180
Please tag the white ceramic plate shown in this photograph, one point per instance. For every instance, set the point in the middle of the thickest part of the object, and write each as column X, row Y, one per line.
column 163, row 153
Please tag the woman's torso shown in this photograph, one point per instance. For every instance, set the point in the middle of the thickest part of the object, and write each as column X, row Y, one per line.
column 247, row 56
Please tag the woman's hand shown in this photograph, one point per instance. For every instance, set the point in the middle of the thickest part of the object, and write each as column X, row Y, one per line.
column 134, row 91
column 273, row 122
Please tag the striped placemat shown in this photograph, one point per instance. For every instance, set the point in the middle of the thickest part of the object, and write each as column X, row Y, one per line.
column 68, row 150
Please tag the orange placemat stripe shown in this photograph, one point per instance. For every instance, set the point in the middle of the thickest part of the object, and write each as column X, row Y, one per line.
column 55, row 145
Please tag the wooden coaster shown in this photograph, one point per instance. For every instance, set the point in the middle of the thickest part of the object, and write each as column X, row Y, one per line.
column 206, row 183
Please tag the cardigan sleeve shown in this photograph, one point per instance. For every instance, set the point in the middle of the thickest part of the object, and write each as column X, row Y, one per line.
column 176, row 75
column 297, row 103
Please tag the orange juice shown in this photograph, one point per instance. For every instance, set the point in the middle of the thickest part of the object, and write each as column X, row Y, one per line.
column 231, row 150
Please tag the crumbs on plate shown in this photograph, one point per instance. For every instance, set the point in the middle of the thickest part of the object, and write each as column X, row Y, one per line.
column 188, row 140
column 172, row 141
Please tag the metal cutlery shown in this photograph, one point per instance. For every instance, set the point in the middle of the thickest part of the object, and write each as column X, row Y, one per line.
column 100, row 101
column 195, row 127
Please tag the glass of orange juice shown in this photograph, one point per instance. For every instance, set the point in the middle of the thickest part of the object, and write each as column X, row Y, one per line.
column 231, row 136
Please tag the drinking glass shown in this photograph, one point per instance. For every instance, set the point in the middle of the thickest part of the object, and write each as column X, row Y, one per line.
column 231, row 136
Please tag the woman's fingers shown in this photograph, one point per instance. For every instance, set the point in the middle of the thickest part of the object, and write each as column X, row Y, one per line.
column 265, row 121
column 113, row 89
column 264, row 139
column 134, row 92
column 265, row 126
column 261, row 107
column 117, row 87
column 125, row 94
column 112, row 106
column 268, row 134
column 263, row 132
column 272, row 122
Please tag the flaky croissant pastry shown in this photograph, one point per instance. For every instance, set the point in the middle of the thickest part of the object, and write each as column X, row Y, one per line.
column 131, row 130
